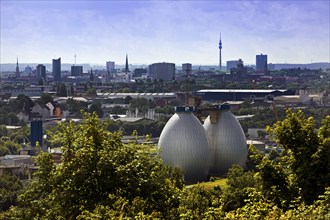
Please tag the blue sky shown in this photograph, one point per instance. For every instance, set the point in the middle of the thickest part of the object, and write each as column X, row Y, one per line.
column 164, row 31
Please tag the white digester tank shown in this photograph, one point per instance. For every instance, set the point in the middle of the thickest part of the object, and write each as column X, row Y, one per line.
column 183, row 143
column 227, row 140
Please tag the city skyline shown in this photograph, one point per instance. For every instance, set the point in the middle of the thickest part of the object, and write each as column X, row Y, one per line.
column 157, row 31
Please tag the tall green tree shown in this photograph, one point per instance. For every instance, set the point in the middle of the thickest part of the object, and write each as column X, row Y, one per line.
column 99, row 173
column 308, row 152
column 61, row 90
column 9, row 188
column 96, row 107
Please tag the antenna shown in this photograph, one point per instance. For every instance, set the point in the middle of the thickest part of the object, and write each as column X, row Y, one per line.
column 220, row 48
column 75, row 58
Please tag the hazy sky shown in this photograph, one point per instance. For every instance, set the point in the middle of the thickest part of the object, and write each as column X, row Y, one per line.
column 172, row 31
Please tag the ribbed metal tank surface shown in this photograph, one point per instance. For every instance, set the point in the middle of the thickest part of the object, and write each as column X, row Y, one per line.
column 227, row 141
column 183, row 143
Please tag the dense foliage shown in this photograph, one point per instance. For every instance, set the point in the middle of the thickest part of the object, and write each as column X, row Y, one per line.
column 101, row 178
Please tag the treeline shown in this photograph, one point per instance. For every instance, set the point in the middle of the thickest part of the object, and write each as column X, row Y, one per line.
column 102, row 178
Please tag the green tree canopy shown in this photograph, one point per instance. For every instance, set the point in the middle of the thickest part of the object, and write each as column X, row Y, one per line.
column 308, row 152
column 9, row 188
column 98, row 170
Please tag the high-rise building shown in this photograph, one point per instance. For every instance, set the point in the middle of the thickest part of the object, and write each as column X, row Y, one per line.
column 57, row 69
column 110, row 65
column 76, row 70
column 41, row 71
column 110, row 74
column 239, row 72
column 231, row 64
column 164, row 71
column 186, row 69
column 261, row 63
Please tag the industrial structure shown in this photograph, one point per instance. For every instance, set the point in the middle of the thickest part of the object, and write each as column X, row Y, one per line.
column 227, row 140
column 203, row 151
column 223, row 95
column 183, row 143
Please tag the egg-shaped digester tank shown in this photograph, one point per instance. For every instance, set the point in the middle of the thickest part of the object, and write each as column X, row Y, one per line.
column 227, row 140
column 183, row 143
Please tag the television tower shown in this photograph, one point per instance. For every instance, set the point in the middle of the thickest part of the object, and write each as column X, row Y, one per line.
column 220, row 47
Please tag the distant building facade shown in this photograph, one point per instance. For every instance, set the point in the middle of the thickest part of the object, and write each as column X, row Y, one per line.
column 261, row 64
column 138, row 72
column 57, row 69
column 41, row 71
column 111, row 70
column 186, row 68
column 76, row 70
column 164, row 71
column 231, row 64
column 110, row 66
column 239, row 72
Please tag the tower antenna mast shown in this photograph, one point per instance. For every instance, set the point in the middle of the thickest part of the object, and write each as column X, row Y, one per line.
column 220, row 48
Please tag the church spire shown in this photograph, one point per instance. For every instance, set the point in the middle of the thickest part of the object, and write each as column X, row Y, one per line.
column 17, row 68
column 126, row 65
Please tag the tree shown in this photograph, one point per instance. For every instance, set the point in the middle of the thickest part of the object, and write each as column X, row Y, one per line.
column 9, row 188
column 61, row 90
column 308, row 152
column 22, row 102
column 127, row 99
column 239, row 182
column 118, row 110
column 99, row 174
column 96, row 107
column 46, row 97
column 139, row 103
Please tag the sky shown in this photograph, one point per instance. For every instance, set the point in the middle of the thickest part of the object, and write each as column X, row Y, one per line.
column 164, row 31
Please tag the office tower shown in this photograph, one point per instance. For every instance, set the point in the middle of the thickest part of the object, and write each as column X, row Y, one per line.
column 76, row 70
column 164, row 71
column 231, row 64
column 261, row 63
column 186, row 69
column 239, row 72
column 110, row 66
column 41, row 71
column 57, row 69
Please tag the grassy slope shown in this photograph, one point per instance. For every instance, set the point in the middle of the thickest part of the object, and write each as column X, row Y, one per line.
column 210, row 185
